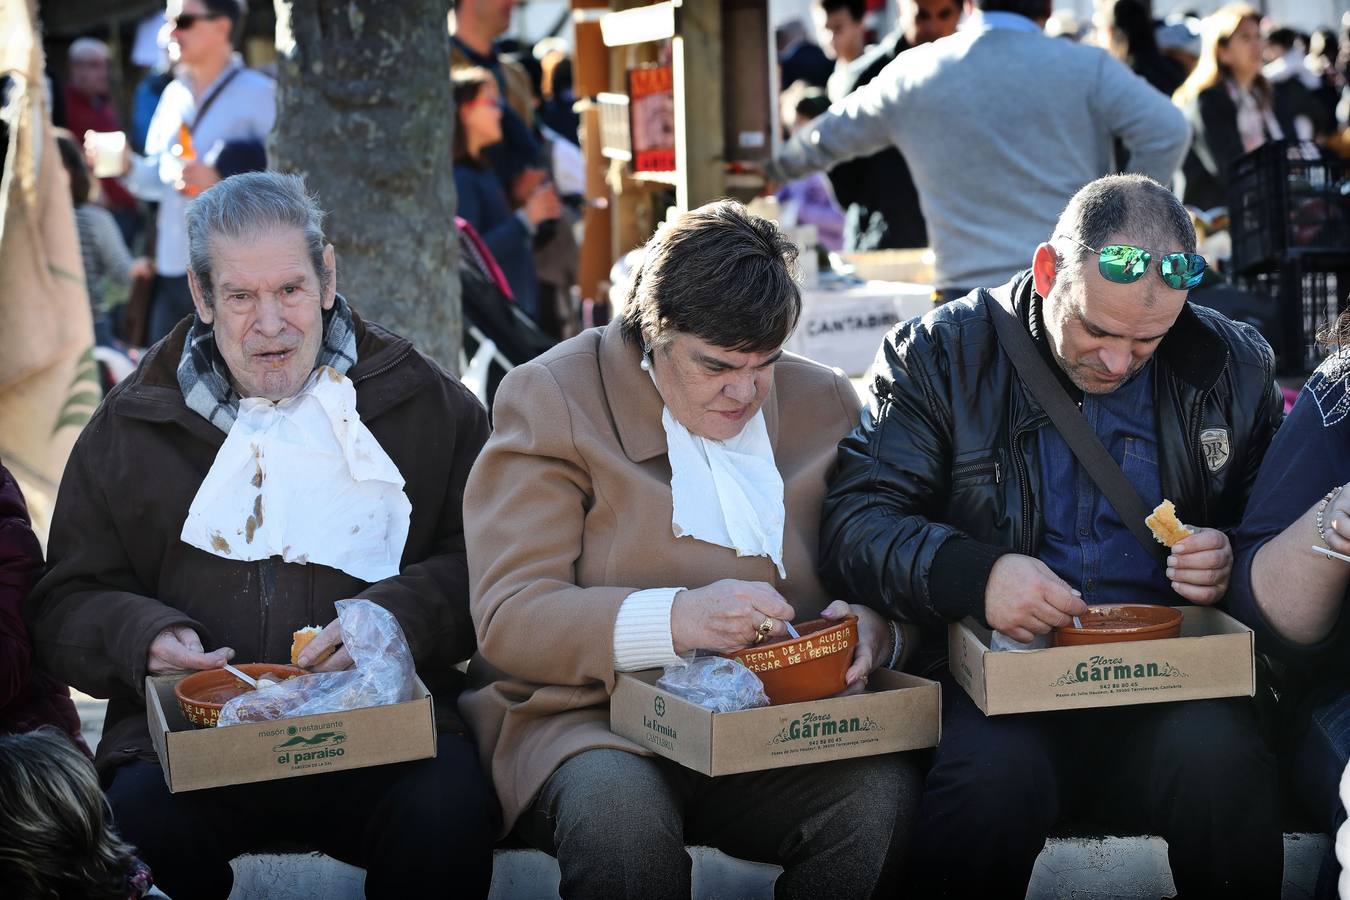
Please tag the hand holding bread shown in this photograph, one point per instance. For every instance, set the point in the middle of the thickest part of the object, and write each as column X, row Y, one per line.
column 320, row 650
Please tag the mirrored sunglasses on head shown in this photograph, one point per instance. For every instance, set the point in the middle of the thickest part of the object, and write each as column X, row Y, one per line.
column 1126, row 264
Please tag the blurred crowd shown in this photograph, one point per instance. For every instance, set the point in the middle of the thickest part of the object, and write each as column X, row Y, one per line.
column 1239, row 79
column 200, row 114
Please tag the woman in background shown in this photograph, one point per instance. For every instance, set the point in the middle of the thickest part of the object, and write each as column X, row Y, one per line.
column 1228, row 103
column 482, row 198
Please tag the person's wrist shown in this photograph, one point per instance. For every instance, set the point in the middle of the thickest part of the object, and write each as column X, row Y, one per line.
column 897, row 644
column 1327, row 501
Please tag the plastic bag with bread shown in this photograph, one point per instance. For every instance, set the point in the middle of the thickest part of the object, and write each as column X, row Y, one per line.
column 382, row 673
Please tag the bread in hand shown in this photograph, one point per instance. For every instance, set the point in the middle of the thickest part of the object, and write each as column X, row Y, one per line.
column 301, row 639
column 1166, row 527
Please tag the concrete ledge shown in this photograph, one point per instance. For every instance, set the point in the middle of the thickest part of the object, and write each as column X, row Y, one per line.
column 1069, row 868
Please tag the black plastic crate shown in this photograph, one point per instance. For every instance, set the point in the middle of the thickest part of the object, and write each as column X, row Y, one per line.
column 1309, row 301
column 1282, row 206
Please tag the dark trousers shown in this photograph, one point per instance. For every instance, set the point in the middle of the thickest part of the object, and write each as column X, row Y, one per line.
column 1196, row 773
column 171, row 302
column 618, row 824
column 1318, row 761
column 410, row 825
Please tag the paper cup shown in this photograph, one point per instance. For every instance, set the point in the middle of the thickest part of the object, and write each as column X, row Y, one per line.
column 109, row 149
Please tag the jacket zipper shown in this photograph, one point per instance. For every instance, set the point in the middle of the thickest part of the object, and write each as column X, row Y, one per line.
column 1197, row 452
column 1024, row 545
column 384, row 368
column 982, row 467
column 264, row 601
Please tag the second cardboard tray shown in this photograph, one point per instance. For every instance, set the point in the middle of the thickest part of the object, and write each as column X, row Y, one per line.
column 1212, row 657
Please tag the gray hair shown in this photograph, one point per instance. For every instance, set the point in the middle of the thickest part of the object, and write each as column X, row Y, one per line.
column 247, row 204
column 87, row 47
column 1119, row 204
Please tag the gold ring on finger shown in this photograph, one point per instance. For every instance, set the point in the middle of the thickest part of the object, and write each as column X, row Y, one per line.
column 765, row 627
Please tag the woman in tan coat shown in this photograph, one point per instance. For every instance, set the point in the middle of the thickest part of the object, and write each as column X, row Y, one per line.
column 654, row 488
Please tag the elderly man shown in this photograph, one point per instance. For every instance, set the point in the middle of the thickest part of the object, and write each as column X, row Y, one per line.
column 957, row 497
column 127, row 595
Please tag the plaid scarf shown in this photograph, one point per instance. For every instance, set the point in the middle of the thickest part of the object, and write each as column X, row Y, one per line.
column 205, row 381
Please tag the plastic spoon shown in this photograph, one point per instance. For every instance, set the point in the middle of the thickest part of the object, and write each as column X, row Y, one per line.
column 251, row 682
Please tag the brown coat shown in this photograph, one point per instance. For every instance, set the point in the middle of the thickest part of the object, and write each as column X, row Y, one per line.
column 119, row 573
column 568, row 511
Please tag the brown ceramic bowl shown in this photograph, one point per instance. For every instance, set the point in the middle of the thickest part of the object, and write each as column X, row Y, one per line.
column 202, row 694
column 805, row 668
column 1107, row 623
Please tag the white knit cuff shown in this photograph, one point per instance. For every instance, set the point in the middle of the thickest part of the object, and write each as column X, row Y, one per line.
column 642, row 638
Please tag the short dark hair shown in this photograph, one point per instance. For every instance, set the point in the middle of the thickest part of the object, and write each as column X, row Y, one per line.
column 812, row 102
column 231, row 9
column 81, row 185
column 855, row 8
column 1284, row 38
column 1120, row 203
column 1032, row 9
column 720, row 274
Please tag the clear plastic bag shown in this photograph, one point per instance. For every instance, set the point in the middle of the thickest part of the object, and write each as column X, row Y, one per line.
column 716, row 683
column 384, row 673
column 1000, row 641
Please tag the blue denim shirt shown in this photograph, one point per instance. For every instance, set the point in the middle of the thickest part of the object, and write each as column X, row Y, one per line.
column 1085, row 542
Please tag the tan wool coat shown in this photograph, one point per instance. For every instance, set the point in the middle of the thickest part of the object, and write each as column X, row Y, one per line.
column 568, row 511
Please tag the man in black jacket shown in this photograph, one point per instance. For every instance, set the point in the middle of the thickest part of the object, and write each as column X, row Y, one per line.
column 877, row 193
column 956, row 497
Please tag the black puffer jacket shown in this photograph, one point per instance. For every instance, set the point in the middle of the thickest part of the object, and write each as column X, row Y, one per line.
column 942, row 477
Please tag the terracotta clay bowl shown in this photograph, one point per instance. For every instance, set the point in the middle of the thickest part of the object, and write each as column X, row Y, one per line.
column 805, row 668
column 1107, row 623
column 202, row 694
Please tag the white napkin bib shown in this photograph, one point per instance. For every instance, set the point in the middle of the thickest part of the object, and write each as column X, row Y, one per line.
column 305, row 480
column 728, row 493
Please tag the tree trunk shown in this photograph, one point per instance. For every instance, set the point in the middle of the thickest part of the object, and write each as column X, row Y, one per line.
column 364, row 112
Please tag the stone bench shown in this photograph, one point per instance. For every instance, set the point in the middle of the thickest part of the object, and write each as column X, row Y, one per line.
column 1069, row 868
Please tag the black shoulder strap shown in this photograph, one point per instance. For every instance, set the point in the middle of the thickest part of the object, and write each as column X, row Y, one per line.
column 211, row 99
column 1068, row 421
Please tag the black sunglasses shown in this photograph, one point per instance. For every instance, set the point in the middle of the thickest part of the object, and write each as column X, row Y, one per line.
column 186, row 20
column 1126, row 264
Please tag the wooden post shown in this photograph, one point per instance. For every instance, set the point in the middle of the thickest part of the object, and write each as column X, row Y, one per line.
column 697, row 57
column 591, row 68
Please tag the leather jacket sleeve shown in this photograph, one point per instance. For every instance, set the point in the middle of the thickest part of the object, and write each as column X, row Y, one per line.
column 880, row 536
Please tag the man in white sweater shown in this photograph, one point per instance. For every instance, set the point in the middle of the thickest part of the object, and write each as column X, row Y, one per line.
column 1001, row 125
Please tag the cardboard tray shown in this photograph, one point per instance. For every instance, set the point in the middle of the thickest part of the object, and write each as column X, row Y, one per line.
column 898, row 712
column 196, row 758
column 1212, row 657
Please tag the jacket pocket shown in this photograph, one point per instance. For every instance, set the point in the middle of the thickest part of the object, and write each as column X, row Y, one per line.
column 977, row 467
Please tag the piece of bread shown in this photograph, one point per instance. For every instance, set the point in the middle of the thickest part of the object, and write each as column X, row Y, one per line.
column 301, row 638
column 1166, row 527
